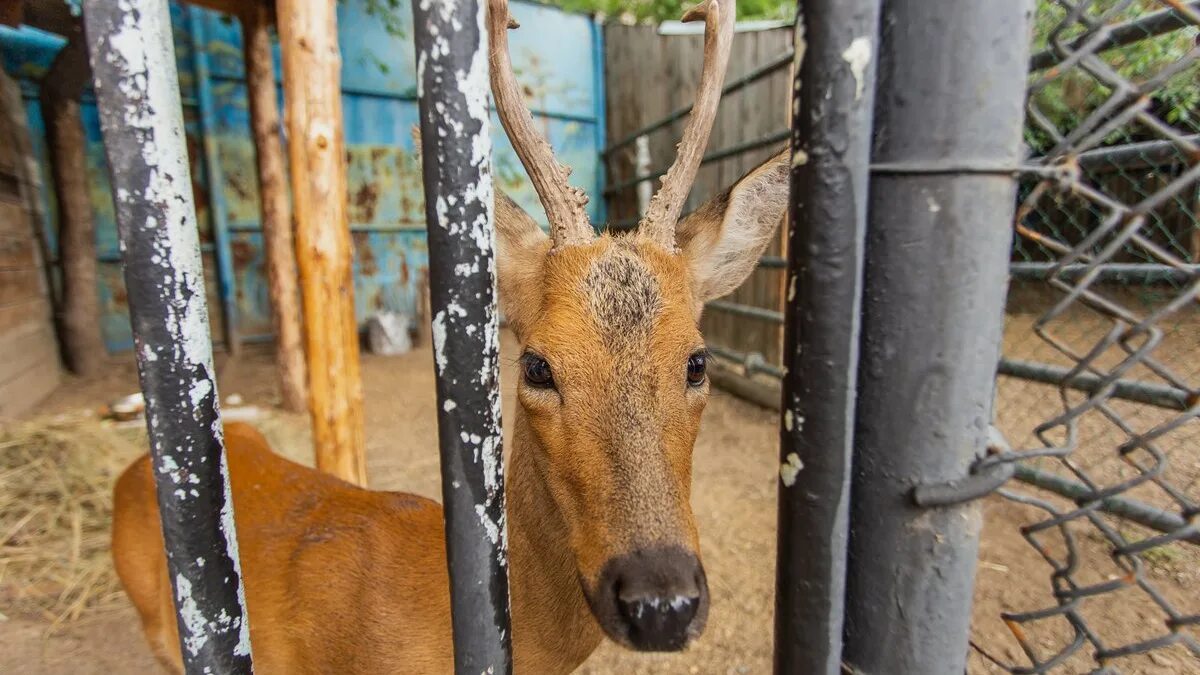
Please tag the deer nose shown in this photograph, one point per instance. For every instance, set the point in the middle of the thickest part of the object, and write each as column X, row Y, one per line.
column 660, row 596
column 658, row 622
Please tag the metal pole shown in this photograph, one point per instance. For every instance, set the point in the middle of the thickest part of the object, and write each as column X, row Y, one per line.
column 832, row 101
column 950, row 88
column 452, row 60
column 226, row 278
column 137, row 91
column 1163, row 396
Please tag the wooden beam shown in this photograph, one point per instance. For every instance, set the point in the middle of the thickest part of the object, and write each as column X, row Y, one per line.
column 316, row 147
column 79, row 312
column 275, row 208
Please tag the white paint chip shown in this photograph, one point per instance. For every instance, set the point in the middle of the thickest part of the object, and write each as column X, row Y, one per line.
column 858, row 55
column 790, row 469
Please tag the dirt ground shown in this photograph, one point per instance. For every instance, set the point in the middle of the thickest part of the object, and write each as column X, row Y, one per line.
column 734, row 502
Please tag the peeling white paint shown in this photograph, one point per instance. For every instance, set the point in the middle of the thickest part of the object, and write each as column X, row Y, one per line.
column 194, row 621
column 790, row 469
column 230, row 531
column 439, row 341
column 858, row 56
column 449, row 405
column 934, row 206
column 787, row 420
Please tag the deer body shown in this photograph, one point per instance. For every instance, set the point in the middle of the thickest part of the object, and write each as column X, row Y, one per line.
column 602, row 541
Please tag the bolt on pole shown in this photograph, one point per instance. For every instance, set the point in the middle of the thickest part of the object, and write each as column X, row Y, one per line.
column 452, row 66
column 835, row 44
column 137, row 92
column 949, row 93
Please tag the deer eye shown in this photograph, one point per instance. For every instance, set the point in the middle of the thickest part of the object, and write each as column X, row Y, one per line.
column 537, row 372
column 696, row 367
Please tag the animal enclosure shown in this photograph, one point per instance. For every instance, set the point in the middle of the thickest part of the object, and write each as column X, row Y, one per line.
column 979, row 331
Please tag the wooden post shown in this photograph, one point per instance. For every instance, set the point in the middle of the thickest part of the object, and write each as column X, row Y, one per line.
column 79, row 309
column 276, row 210
column 316, row 147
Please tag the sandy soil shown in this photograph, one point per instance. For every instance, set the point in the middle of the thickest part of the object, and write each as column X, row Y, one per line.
column 734, row 502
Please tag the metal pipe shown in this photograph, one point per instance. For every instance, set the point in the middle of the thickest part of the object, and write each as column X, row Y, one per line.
column 1136, row 273
column 1151, row 154
column 226, row 279
column 1129, row 390
column 1149, row 26
column 1129, row 509
column 833, row 95
column 456, row 153
column 133, row 62
column 716, row 156
column 748, row 311
column 751, row 363
column 780, row 61
column 933, row 300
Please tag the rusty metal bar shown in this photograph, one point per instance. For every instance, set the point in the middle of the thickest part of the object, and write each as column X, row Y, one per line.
column 137, row 87
column 456, row 154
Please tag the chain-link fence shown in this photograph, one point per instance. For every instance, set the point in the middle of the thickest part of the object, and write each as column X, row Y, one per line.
column 1101, row 369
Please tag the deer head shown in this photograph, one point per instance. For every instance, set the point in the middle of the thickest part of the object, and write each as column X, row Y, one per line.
column 612, row 376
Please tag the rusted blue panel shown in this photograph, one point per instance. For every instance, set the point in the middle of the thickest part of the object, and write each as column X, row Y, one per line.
column 555, row 56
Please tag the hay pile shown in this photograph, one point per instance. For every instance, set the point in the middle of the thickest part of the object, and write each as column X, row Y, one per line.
column 56, row 478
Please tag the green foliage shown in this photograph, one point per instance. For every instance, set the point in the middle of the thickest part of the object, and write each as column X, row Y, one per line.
column 1071, row 97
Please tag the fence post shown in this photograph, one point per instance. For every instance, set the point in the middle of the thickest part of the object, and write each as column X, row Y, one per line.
column 452, row 67
column 137, row 91
column 948, row 116
column 316, row 144
column 831, row 131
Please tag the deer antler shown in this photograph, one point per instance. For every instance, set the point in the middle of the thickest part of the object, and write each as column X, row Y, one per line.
column 564, row 204
column 659, row 222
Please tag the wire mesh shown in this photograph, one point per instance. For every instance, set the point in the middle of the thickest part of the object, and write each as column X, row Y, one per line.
column 1108, row 239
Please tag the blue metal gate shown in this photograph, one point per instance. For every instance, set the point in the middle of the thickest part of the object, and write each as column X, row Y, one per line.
column 558, row 57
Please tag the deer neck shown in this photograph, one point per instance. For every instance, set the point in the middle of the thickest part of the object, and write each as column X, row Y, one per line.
column 553, row 629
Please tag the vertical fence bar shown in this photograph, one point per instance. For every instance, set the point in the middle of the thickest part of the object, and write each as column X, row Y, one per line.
column 226, row 279
column 948, row 116
column 831, row 131
column 137, row 91
column 452, row 67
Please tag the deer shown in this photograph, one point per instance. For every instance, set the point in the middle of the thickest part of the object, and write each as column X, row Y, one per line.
column 612, row 383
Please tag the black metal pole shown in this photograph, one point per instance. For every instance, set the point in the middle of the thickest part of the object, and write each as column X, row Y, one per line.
column 950, row 88
column 452, row 60
column 137, row 92
column 831, row 129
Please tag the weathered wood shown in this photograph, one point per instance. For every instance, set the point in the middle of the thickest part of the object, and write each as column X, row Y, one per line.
column 17, row 252
column 30, row 343
column 27, row 389
column 12, row 218
column 79, row 312
column 275, row 208
column 19, row 286
column 316, row 147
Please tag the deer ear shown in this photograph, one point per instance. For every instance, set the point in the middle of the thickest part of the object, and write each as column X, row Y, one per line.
column 521, row 248
column 725, row 237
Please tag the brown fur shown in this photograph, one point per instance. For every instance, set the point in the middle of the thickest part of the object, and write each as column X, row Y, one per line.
column 344, row 580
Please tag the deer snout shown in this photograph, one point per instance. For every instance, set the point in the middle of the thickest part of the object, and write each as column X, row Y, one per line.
column 652, row 599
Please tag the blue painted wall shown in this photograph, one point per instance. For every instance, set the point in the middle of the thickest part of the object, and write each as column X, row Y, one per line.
column 557, row 57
